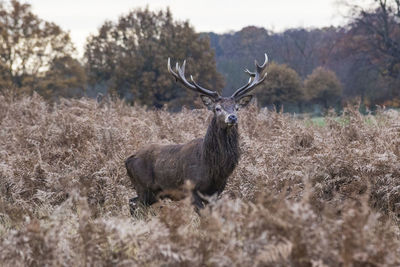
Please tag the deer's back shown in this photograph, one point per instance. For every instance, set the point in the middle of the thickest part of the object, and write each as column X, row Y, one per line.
column 161, row 167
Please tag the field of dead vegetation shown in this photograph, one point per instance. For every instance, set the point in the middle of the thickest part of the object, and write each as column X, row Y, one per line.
column 302, row 195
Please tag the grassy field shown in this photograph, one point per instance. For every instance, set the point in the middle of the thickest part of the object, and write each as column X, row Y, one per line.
column 304, row 194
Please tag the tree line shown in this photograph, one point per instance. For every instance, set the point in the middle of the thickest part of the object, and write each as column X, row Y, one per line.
column 127, row 58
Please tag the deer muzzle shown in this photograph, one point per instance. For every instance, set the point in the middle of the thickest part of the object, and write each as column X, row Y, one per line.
column 232, row 119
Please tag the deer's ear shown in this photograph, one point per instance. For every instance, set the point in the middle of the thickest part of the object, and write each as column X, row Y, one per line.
column 244, row 101
column 208, row 101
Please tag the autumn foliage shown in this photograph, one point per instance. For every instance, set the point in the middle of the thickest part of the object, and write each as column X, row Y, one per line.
column 129, row 57
column 282, row 85
column 126, row 57
column 36, row 55
column 322, row 86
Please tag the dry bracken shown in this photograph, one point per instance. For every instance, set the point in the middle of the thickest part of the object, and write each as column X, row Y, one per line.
column 302, row 194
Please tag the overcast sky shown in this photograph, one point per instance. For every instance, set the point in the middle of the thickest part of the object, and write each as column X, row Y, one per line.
column 83, row 17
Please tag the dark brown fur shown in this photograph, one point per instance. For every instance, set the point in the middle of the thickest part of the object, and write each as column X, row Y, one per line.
column 206, row 162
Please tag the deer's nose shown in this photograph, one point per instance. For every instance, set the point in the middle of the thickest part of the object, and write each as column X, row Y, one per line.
column 232, row 119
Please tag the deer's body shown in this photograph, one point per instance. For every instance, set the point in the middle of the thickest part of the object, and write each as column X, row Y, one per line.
column 206, row 162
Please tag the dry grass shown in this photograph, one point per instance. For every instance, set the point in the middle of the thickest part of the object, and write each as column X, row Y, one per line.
column 302, row 195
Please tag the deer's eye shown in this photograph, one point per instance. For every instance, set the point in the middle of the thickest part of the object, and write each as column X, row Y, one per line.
column 217, row 109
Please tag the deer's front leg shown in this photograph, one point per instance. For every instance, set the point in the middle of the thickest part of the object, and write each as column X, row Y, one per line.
column 197, row 201
column 133, row 205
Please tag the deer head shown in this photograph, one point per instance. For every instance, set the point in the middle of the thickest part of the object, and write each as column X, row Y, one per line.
column 224, row 108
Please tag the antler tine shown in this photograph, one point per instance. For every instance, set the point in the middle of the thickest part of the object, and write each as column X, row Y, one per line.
column 171, row 71
column 257, row 79
column 243, row 87
column 204, row 90
column 179, row 75
column 252, row 74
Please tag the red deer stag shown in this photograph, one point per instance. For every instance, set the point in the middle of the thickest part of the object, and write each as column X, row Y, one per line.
column 206, row 162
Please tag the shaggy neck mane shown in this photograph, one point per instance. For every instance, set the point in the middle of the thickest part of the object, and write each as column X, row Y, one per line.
column 221, row 150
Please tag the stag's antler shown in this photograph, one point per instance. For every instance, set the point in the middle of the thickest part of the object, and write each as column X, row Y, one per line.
column 180, row 76
column 258, row 77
